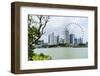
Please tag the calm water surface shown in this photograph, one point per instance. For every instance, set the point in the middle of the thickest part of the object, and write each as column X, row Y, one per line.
column 64, row 53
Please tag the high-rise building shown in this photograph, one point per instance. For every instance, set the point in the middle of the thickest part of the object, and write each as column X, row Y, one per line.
column 55, row 40
column 72, row 38
column 75, row 41
column 66, row 36
column 80, row 40
column 61, row 41
column 48, row 39
column 51, row 39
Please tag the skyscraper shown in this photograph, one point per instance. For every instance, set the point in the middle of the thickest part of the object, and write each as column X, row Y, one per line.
column 80, row 40
column 51, row 39
column 55, row 40
column 66, row 36
column 61, row 41
column 72, row 38
column 48, row 39
column 75, row 41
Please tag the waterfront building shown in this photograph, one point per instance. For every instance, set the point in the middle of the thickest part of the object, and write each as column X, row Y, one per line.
column 80, row 40
column 66, row 37
column 75, row 41
column 61, row 40
column 72, row 39
column 55, row 40
column 51, row 39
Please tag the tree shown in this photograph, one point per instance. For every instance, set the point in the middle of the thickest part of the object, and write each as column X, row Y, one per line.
column 36, row 26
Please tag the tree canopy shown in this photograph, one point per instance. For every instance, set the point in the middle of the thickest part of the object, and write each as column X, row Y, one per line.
column 36, row 25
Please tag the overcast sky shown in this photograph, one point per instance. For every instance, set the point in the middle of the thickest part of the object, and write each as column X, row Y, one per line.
column 75, row 25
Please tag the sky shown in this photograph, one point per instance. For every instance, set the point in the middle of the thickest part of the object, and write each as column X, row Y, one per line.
column 57, row 24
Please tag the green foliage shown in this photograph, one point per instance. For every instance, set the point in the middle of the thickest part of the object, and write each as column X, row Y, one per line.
column 32, row 37
column 34, row 34
column 40, row 56
column 30, row 54
column 82, row 45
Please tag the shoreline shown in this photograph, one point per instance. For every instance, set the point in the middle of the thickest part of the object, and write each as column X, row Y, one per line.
column 60, row 47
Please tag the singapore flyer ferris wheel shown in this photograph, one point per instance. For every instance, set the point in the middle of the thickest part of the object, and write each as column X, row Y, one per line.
column 76, row 29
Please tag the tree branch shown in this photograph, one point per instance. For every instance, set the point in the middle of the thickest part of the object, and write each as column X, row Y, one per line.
column 46, row 20
column 40, row 22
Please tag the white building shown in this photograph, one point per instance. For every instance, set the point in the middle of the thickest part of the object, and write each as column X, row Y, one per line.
column 55, row 40
column 51, row 39
column 66, row 36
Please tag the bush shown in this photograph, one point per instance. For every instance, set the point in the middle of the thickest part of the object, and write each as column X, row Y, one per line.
column 40, row 56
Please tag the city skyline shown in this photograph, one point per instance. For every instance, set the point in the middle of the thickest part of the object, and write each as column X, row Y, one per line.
column 69, row 40
column 75, row 25
column 55, row 40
